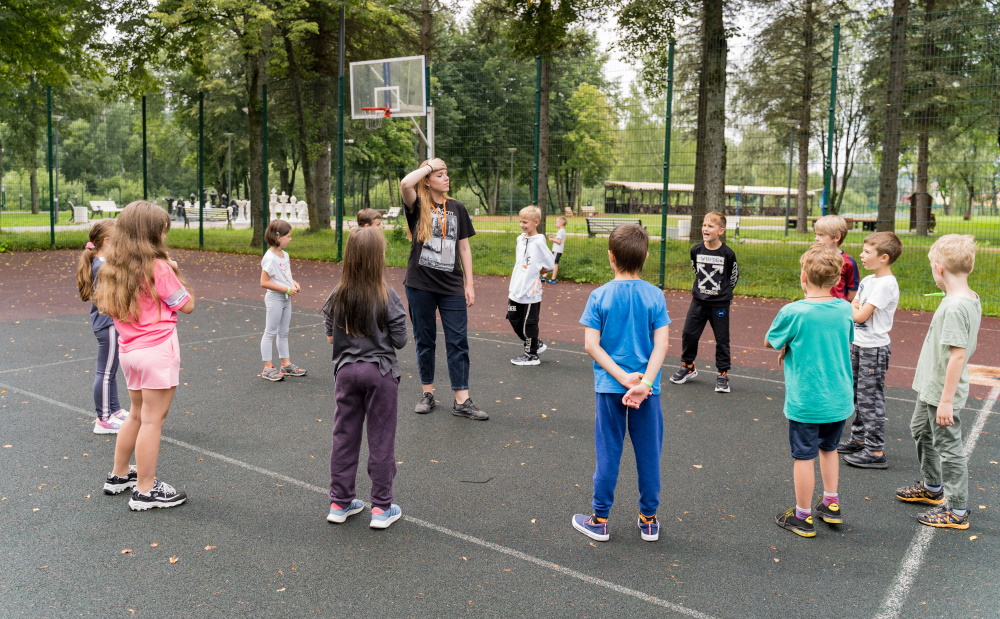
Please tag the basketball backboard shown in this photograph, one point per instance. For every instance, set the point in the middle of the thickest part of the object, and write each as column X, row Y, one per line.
column 394, row 83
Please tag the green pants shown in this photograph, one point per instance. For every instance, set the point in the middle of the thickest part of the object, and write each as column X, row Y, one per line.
column 941, row 453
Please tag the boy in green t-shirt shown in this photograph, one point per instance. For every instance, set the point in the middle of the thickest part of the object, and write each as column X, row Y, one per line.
column 814, row 336
column 942, row 385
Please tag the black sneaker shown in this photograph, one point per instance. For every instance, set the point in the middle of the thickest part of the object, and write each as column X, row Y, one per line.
column 526, row 359
column 830, row 514
column 682, row 375
column 162, row 495
column 850, row 446
column 470, row 410
column 722, row 383
column 788, row 520
column 425, row 404
column 866, row 460
column 116, row 485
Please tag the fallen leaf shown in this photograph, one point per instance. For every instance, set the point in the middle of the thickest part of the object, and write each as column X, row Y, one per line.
column 209, row 547
column 532, row 521
column 464, row 559
column 281, row 589
column 974, row 537
column 154, row 544
column 544, row 416
column 867, row 499
column 174, row 559
column 126, row 551
column 9, row 446
column 776, row 559
column 982, row 507
column 697, row 466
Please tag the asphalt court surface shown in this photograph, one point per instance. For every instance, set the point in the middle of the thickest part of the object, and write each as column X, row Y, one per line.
column 487, row 505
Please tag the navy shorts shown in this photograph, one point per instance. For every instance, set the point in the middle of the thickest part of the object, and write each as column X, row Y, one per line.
column 808, row 439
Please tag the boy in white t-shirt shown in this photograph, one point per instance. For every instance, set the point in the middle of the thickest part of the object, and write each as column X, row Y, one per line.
column 525, row 293
column 558, row 245
column 874, row 307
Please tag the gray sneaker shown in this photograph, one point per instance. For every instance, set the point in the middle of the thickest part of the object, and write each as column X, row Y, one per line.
column 470, row 410
column 272, row 374
column 425, row 404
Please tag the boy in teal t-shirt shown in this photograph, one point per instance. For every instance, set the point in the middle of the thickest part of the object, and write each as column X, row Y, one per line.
column 814, row 336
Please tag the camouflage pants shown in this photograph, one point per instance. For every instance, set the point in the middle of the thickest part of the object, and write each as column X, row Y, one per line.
column 869, row 366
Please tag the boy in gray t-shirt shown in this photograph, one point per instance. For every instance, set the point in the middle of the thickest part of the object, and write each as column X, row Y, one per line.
column 942, row 385
column 873, row 309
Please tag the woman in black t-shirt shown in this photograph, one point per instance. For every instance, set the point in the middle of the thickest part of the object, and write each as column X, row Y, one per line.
column 439, row 280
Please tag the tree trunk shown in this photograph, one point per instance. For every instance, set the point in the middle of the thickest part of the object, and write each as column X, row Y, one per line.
column 972, row 194
column 256, row 75
column 805, row 122
column 922, row 203
column 33, row 178
column 710, row 157
column 543, row 141
column 300, row 116
column 892, row 128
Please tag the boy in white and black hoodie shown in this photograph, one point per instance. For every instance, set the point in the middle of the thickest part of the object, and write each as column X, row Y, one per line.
column 525, row 294
column 715, row 276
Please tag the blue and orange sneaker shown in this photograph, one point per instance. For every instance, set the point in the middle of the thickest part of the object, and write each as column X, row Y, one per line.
column 593, row 527
column 649, row 528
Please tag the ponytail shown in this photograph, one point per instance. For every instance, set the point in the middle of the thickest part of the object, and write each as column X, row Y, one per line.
column 84, row 270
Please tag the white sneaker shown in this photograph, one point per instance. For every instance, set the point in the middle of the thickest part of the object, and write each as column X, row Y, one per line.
column 111, row 426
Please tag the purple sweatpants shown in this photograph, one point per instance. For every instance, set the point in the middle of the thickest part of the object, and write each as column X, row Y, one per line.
column 363, row 394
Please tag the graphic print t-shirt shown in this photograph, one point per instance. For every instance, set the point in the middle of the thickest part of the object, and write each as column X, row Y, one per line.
column 715, row 274
column 435, row 266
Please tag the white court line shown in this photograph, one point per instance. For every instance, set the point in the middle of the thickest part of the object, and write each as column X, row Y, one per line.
column 639, row 595
column 892, row 603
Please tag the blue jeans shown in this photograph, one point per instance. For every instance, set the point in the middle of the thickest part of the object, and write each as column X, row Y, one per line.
column 424, row 306
column 645, row 427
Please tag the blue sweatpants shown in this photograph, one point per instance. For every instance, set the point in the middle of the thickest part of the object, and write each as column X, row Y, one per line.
column 645, row 429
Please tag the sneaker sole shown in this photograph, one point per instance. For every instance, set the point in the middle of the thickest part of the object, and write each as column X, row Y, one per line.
column 338, row 519
column 384, row 524
column 533, row 362
column 797, row 531
column 924, row 500
column 141, row 506
column 474, row 418
column 99, row 430
column 113, row 489
column 273, row 380
column 646, row 537
column 831, row 519
column 726, row 390
column 594, row 536
column 687, row 377
column 866, row 465
column 964, row 525
column 294, row 374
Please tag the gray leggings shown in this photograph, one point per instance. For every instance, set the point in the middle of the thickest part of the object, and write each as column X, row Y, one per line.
column 279, row 316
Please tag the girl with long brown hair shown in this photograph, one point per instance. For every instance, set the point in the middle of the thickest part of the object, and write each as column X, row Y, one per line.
column 110, row 414
column 366, row 324
column 439, row 280
column 142, row 291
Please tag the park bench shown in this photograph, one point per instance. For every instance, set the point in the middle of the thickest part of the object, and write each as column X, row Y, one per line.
column 588, row 211
column 209, row 213
column 100, row 207
column 392, row 215
column 866, row 224
column 605, row 225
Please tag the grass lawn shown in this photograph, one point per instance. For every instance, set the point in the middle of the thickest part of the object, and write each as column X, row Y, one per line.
column 768, row 268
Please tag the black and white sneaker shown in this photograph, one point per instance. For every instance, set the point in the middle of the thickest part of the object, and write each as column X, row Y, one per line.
column 682, row 375
column 116, row 485
column 722, row 383
column 162, row 495
column 541, row 348
column 425, row 404
column 526, row 359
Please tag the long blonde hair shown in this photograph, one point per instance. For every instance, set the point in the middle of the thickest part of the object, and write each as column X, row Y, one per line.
column 362, row 289
column 424, row 230
column 127, row 273
column 84, row 269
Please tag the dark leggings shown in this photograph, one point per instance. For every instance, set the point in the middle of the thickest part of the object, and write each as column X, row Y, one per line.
column 106, row 375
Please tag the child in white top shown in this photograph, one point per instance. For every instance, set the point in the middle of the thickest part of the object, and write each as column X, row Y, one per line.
column 558, row 246
column 276, row 278
column 525, row 293
column 873, row 309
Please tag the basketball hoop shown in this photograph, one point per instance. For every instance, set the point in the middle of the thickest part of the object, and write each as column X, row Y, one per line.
column 374, row 116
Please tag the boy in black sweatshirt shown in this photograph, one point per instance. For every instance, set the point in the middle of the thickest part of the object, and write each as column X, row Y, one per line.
column 715, row 276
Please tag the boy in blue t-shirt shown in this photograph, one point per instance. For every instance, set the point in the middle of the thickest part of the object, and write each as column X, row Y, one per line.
column 626, row 333
column 814, row 336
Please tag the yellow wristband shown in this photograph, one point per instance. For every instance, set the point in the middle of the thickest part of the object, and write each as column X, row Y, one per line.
column 648, row 383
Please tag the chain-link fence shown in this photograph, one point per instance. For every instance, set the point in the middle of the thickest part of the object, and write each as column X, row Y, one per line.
column 754, row 139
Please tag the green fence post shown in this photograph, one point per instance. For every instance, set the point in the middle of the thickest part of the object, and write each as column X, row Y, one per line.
column 340, row 139
column 263, row 202
column 538, row 127
column 145, row 186
column 665, row 200
column 828, row 169
column 201, row 169
column 52, row 205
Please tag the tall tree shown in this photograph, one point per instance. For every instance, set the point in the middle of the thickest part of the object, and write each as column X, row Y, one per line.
column 710, row 159
column 893, row 118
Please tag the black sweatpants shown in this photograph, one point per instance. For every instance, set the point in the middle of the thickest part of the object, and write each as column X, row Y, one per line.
column 699, row 314
column 524, row 318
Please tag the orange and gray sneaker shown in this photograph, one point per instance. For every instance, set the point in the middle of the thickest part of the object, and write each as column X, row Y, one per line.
column 918, row 493
column 944, row 518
